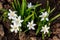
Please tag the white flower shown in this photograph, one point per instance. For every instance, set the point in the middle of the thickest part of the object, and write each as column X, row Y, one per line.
column 14, row 28
column 17, row 21
column 44, row 16
column 45, row 29
column 30, row 5
column 11, row 14
column 31, row 25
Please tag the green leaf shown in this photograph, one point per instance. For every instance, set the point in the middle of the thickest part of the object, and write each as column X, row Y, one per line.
column 48, row 7
column 39, row 27
column 33, row 15
column 52, row 10
column 41, row 10
column 4, row 10
column 13, row 6
column 28, row 17
column 5, row 16
column 48, row 10
column 16, row 5
column 23, row 7
column 54, row 18
column 43, row 36
column 47, row 3
column 49, row 34
column 38, row 30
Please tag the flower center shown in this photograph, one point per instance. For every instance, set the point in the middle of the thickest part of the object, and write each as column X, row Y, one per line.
column 15, row 27
column 12, row 14
column 30, row 25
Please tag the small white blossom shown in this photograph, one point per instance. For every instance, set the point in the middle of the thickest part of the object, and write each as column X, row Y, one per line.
column 30, row 5
column 45, row 29
column 44, row 16
column 11, row 14
column 17, row 21
column 31, row 25
column 14, row 28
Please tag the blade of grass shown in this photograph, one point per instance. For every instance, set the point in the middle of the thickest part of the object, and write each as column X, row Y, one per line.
column 54, row 18
column 28, row 17
column 13, row 6
column 48, row 7
column 39, row 27
column 48, row 10
column 23, row 7
column 52, row 10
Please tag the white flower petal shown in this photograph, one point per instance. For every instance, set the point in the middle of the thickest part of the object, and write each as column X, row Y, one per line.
column 9, row 17
column 11, row 26
column 33, row 28
column 10, row 11
column 40, row 16
column 41, row 30
column 34, row 24
column 29, row 28
column 30, row 5
column 11, row 30
column 47, row 19
column 42, row 19
column 16, row 31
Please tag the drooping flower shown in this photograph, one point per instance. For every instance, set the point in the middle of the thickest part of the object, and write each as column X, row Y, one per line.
column 17, row 21
column 12, row 14
column 30, row 5
column 44, row 16
column 45, row 29
column 31, row 25
column 14, row 28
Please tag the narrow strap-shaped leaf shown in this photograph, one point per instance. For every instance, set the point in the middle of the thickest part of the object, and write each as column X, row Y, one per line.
column 39, row 28
column 13, row 6
column 18, row 7
column 52, row 10
column 48, row 9
column 54, row 18
column 33, row 15
column 23, row 7
column 18, row 4
column 28, row 17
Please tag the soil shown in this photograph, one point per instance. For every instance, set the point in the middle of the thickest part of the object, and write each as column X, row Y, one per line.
column 5, row 34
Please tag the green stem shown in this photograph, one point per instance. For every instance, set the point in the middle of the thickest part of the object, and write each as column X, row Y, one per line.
column 43, row 36
column 19, row 32
column 25, row 30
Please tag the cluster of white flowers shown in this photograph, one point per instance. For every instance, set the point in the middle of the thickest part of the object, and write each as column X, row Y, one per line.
column 44, row 16
column 16, row 20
